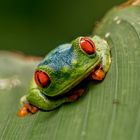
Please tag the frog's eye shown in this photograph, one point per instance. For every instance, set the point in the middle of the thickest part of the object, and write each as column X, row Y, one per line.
column 87, row 45
column 42, row 79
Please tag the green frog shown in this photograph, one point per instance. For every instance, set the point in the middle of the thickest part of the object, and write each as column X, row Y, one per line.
column 62, row 70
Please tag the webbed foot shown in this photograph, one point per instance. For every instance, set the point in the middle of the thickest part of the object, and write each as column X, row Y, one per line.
column 98, row 73
column 27, row 108
column 75, row 95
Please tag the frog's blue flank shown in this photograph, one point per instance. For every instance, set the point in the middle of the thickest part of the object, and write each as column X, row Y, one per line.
column 59, row 58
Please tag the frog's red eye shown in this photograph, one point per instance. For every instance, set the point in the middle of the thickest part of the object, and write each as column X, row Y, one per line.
column 42, row 79
column 87, row 45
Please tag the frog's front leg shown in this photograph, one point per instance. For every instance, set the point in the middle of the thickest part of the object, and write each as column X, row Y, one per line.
column 26, row 107
column 36, row 100
column 102, row 68
column 98, row 73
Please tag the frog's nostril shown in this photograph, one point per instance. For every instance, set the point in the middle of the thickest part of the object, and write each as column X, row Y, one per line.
column 42, row 79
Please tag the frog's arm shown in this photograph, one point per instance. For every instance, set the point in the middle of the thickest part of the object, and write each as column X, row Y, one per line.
column 36, row 98
column 39, row 100
column 105, row 59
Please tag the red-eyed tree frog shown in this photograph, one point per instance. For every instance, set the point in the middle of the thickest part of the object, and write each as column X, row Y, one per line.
column 63, row 69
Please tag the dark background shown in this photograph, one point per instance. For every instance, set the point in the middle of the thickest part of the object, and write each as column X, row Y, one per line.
column 36, row 26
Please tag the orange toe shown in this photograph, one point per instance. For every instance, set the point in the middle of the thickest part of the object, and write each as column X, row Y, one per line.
column 31, row 108
column 98, row 75
column 76, row 94
column 22, row 112
column 34, row 109
column 26, row 109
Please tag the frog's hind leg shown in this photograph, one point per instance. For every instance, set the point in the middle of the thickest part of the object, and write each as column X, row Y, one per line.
column 75, row 95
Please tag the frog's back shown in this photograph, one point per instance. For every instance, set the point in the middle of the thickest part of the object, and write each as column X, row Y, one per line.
column 67, row 65
column 59, row 58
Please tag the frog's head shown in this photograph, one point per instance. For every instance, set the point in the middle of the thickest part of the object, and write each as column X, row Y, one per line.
column 67, row 65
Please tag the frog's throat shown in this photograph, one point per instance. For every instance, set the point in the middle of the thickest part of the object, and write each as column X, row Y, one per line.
column 77, row 81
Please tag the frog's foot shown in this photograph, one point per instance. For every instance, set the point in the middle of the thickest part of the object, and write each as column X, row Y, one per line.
column 26, row 109
column 98, row 73
column 75, row 95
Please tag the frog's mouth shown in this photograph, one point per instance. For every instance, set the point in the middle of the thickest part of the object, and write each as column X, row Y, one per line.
column 70, row 86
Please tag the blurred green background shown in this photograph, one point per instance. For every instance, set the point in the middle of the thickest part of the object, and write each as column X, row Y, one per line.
column 36, row 26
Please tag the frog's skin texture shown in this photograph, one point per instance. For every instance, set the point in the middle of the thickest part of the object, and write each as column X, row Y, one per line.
column 66, row 66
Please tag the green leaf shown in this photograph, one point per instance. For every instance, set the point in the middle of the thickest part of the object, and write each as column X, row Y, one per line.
column 110, row 110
